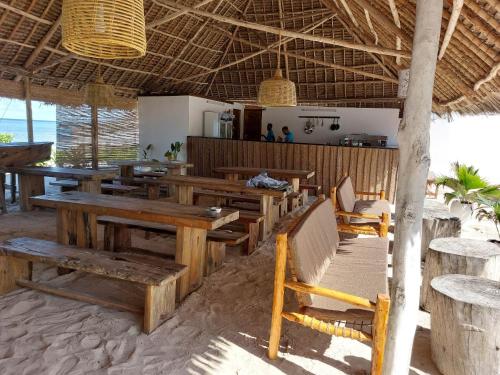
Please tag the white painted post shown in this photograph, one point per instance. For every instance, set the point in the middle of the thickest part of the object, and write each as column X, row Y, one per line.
column 413, row 169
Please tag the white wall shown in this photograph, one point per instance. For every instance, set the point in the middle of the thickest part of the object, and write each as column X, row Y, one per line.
column 473, row 140
column 372, row 121
column 163, row 120
column 167, row 119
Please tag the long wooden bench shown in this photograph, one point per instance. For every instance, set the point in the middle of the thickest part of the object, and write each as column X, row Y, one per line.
column 341, row 285
column 156, row 276
column 118, row 237
column 69, row 185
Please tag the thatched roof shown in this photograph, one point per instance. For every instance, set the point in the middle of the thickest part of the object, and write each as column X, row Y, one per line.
column 347, row 57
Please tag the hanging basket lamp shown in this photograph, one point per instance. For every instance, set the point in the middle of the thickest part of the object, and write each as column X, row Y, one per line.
column 99, row 94
column 277, row 91
column 104, row 29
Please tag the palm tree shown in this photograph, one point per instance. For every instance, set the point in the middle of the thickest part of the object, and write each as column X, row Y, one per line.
column 466, row 185
column 490, row 210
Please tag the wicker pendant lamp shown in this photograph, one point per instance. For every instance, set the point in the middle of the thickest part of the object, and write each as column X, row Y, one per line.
column 277, row 91
column 104, row 29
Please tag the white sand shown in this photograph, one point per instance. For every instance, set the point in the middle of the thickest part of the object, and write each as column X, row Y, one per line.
column 220, row 329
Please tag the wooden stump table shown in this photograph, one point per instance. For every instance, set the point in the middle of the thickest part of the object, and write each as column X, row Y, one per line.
column 465, row 325
column 458, row 256
column 437, row 222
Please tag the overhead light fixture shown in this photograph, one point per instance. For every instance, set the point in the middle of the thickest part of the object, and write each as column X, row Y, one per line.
column 277, row 91
column 99, row 94
column 104, row 29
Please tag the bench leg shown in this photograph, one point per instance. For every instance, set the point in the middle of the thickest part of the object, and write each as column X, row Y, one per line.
column 250, row 245
column 216, row 253
column 91, row 186
column 12, row 269
column 117, row 237
column 159, row 305
column 3, row 203
column 153, row 191
column 305, row 196
column 29, row 186
column 266, row 208
column 184, row 194
column 13, row 187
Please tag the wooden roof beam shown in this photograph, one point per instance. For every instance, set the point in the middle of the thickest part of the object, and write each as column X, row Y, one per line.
column 25, row 14
column 173, row 16
column 452, row 23
column 291, row 34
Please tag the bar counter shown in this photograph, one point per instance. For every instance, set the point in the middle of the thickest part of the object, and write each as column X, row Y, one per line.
column 371, row 168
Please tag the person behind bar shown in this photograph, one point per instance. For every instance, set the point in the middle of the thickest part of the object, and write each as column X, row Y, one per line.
column 269, row 137
column 289, row 137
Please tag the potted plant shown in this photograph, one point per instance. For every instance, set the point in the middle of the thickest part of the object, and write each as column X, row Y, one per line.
column 146, row 152
column 175, row 148
column 489, row 209
column 466, row 186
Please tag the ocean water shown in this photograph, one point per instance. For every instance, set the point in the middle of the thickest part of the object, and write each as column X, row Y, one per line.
column 43, row 131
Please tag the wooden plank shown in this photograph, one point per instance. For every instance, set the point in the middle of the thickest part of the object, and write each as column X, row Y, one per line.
column 159, row 305
column 22, row 153
column 66, row 173
column 134, row 208
column 281, row 173
column 141, row 270
column 12, row 269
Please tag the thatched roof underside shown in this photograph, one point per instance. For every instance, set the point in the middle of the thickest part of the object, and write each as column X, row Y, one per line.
column 185, row 53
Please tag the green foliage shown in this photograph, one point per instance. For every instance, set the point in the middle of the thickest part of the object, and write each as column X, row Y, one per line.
column 146, row 153
column 6, row 137
column 466, row 184
column 175, row 148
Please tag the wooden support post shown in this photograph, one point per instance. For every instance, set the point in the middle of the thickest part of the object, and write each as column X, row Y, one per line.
column 29, row 111
column 3, row 202
column 190, row 251
column 215, row 255
column 279, row 295
column 95, row 137
column 414, row 167
column 159, row 304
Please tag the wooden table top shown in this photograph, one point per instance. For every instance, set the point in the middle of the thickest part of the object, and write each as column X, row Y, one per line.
column 284, row 173
column 151, row 163
column 139, row 209
column 220, row 184
column 71, row 173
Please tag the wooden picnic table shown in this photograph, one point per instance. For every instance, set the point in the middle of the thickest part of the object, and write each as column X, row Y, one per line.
column 175, row 168
column 77, row 225
column 292, row 175
column 185, row 187
column 31, row 180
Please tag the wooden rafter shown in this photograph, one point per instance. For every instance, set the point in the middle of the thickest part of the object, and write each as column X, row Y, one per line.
column 292, row 34
column 452, row 23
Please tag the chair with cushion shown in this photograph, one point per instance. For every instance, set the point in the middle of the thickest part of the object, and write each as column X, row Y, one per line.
column 359, row 216
column 341, row 286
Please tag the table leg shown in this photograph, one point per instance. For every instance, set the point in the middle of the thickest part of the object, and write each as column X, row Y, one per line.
column 266, row 208
column 295, row 182
column 190, row 250
column 13, row 187
column 127, row 171
column 90, row 186
column 76, row 228
column 153, row 191
column 3, row 202
column 29, row 186
column 184, row 194
column 232, row 176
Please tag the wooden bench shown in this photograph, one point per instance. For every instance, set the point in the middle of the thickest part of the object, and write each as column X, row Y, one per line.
column 70, row 185
column 341, row 286
column 316, row 189
column 117, row 237
column 157, row 276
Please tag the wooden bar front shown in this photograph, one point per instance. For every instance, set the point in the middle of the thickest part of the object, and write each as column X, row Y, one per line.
column 370, row 168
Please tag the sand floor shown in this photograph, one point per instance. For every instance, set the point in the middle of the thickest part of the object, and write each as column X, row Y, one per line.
column 222, row 328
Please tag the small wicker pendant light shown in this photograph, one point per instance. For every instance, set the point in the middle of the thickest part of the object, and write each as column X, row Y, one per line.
column 104, row 29
column 277, row 91
column 99, row 94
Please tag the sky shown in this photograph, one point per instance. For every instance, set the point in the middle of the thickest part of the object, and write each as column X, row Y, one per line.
column 16, row 109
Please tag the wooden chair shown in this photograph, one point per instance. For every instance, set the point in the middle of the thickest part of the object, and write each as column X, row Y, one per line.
column 358, row 216
column 319, row 262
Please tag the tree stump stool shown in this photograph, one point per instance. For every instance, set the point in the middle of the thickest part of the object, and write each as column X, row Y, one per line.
column 461, row 256
column 465, row 325
column 437, row 222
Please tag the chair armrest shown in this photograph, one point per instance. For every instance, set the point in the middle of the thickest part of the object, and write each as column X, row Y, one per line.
column 358, row 215
column 330, row 293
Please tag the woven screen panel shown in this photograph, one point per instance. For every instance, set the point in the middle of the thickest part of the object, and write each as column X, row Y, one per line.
column 118, row 135
column 104, row 29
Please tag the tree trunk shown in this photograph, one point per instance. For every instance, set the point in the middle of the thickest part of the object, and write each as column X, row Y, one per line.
column 458, row 256
column 29, row 111
column 465, row 321
column 437, row 222
column 413, row 169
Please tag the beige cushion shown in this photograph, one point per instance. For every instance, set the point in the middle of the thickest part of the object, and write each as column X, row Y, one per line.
column 346, row 196
column 313, row 244
column 359, row 268
column 374, row 207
